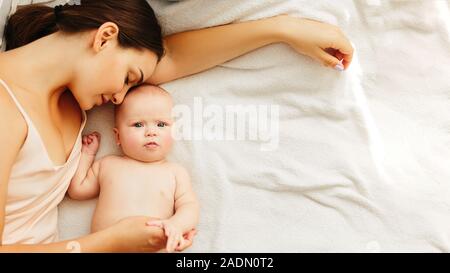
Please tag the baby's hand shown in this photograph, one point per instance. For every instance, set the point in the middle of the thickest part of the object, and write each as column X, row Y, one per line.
column 91, row 143
column 175, row 239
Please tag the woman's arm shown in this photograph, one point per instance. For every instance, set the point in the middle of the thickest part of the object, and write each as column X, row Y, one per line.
column 128, row 235
column 13, row 131
column 194, row 51
column 97, row 242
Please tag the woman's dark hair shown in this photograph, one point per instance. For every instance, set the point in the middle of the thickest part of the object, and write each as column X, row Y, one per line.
column 138, row 26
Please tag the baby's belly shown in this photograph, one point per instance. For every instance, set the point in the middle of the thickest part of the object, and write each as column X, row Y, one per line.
column 112, row 207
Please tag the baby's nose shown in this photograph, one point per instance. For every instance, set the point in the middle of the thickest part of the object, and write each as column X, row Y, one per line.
column 150, row 131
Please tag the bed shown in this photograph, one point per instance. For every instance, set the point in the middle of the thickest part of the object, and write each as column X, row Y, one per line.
column 360, row 160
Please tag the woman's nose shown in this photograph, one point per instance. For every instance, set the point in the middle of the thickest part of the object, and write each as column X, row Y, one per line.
column 117, row 98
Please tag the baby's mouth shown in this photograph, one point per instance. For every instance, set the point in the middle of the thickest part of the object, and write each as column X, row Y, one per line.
column 151, row 144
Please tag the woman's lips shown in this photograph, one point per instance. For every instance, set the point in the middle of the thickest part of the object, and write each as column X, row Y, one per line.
column 104, row 100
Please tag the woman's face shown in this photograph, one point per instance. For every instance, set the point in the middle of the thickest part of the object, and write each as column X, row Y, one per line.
column 108, row 71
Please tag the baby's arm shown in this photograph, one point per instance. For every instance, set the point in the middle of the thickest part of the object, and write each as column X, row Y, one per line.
column 186, row 203
column 186, row 215
column 84, row 184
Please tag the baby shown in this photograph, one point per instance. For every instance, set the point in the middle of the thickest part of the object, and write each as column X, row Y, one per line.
column 141, row 182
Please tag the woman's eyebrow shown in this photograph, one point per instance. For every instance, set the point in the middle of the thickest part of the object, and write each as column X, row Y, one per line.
column 142, row 77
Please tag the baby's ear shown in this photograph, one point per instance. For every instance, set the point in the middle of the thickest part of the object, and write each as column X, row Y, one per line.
column 116, row 136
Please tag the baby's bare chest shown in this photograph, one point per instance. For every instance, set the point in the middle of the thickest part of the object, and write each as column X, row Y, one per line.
column 139, row 184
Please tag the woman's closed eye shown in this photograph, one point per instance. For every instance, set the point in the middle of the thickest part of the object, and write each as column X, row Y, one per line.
column 134, row 79
column 129, row 79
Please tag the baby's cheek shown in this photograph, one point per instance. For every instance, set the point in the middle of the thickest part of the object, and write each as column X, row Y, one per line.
column 167, row 141
column 133, row 140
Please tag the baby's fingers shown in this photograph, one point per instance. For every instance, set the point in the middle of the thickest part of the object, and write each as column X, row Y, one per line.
column 96, row 140
column 187, row 240
column 96, row 136
column 172, row 242
column 183, row 243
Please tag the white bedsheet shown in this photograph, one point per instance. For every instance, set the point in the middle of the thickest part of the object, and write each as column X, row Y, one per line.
column 363, row 157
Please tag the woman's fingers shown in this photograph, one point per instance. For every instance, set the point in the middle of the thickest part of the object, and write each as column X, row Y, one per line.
column 345, row 50
column 324, row 42
column 339, row 47
column 348, row 59
column 329, row 60
column 339, row 55
column 169, row 241
column 155, row 223
column 344, row 46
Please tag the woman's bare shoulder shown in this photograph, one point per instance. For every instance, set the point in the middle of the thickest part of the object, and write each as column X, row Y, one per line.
column 13, row 132
column 10, row 116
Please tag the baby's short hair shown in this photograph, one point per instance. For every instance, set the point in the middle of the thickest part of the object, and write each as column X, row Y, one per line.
column 151, row 89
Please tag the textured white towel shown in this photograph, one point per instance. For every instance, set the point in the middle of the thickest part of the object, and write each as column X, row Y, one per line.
column 363, row 158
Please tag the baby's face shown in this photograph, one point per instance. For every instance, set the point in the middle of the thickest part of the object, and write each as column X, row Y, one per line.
column 143, row 124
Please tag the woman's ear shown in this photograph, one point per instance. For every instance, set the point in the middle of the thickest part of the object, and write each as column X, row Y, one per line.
column 116, row 136
column 106, row 35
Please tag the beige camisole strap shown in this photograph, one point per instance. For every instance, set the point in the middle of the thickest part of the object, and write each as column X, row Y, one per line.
column 36, row 187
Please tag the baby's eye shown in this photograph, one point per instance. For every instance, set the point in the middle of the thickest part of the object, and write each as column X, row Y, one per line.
column 138, row 125
column 162, row 124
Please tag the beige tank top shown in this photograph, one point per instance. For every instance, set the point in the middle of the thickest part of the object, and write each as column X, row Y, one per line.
column 36, row 187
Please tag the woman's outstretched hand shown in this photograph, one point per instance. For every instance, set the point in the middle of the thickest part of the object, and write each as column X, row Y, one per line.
column 133, row 235
column 194, row 51
column 323, row 42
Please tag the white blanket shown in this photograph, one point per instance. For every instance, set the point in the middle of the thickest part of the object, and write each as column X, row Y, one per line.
column 363, row 157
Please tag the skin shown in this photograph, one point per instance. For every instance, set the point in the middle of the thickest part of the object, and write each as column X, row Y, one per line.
column 143, row 180
column 93, row 66
column 145, row 115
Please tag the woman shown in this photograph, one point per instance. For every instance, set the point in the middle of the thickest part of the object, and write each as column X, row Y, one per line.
column 60, row 62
